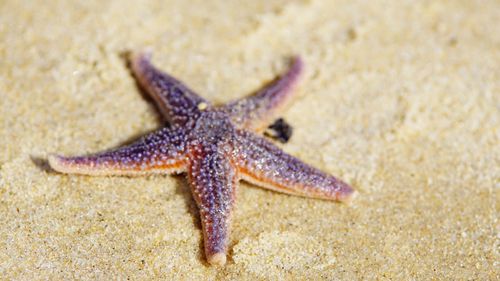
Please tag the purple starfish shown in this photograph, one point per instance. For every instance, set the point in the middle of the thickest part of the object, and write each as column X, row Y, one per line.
column 215, row 147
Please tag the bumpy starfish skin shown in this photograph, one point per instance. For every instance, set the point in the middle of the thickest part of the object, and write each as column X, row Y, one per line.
column 215, row 148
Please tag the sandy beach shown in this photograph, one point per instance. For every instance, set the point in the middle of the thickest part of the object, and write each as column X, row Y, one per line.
column 401, row 99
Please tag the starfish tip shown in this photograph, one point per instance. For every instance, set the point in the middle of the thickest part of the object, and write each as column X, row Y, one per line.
column 350, row 197
column 54, row 161
column 140, row 55
column 217, row 259
column 58, row 163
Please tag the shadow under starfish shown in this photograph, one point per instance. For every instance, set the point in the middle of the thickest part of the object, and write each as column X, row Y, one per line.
column 215, row 147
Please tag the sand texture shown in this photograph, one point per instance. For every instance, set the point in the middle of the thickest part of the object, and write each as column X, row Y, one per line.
column 401, row 99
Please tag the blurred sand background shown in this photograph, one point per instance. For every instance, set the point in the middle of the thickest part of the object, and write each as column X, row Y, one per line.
column 401, row 99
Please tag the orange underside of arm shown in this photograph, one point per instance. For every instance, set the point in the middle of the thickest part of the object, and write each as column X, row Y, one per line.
column 264, row 182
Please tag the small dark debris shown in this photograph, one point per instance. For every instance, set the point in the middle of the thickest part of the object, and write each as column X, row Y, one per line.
column 452, row 42
column 352, row 34
column 280, row 130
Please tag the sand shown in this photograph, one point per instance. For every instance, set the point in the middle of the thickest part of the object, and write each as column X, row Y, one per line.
column 401, row 99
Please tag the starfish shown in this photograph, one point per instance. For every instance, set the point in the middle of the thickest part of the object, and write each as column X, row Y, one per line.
column 215, row 146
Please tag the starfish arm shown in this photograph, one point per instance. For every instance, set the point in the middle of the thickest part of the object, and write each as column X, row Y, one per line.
column 213, row 181
column 158, row 152
column 257, row 111
column 262, row 163
column 176, row 101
